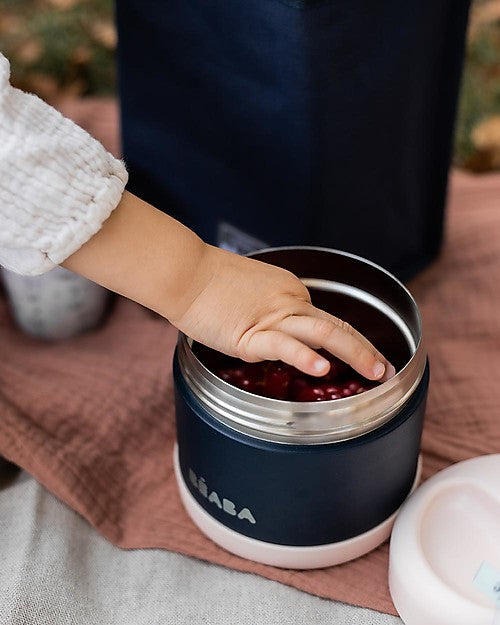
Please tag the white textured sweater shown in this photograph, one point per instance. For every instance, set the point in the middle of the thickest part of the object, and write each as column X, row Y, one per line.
column 57, row 184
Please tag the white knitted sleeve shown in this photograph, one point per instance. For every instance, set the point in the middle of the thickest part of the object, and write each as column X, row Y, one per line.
column 57, row 184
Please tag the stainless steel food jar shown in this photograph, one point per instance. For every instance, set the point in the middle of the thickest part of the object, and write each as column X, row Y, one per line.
column 307, row 484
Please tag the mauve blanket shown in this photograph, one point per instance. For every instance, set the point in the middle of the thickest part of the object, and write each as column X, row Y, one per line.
column 92, row 418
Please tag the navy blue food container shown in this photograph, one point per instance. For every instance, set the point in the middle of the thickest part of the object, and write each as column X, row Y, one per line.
column 307, row 484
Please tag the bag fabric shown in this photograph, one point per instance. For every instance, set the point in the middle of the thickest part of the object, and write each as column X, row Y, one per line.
column 252, row 121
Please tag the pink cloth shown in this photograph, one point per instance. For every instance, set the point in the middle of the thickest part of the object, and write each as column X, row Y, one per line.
column 93, row 419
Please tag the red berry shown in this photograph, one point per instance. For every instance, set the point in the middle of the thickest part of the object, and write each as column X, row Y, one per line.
column 255, row 370
column 230, row 375
column 338, row 368
column 247, row 384
column 239, row 378
column 311, row 393
column 296, row 387
column 331, row 388
column 331, row 391
column 277, row 381
column 351, row 387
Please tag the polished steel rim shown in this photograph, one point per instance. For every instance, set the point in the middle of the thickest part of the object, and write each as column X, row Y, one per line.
column 308, row 423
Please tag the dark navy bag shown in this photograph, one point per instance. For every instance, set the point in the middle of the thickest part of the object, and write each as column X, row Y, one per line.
column 267, row 122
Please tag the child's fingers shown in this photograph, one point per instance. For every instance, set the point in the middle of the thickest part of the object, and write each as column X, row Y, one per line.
column 390, row 370
column 340, row 339
column 276, row 345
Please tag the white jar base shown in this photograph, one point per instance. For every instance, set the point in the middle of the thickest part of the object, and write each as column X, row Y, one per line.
column 284, row 556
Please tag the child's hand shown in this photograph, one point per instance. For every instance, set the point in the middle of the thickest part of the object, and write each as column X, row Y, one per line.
column 257, row 311
column 234, row 304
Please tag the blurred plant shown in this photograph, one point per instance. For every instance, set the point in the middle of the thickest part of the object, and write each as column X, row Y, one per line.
column 60, row 47
column 477, row 137
column 63, row 48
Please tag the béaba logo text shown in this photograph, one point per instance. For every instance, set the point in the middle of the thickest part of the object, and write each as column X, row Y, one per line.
column 213, row 497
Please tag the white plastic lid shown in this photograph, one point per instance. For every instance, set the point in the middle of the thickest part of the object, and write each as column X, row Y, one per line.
column 445, row 548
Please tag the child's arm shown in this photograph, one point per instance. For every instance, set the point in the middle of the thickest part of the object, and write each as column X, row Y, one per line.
column 62, row 201
column 240, row 306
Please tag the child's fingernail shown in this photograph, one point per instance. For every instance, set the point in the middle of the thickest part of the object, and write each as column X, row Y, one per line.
column 390, row 372
column 378, row 369
column 321, row 365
